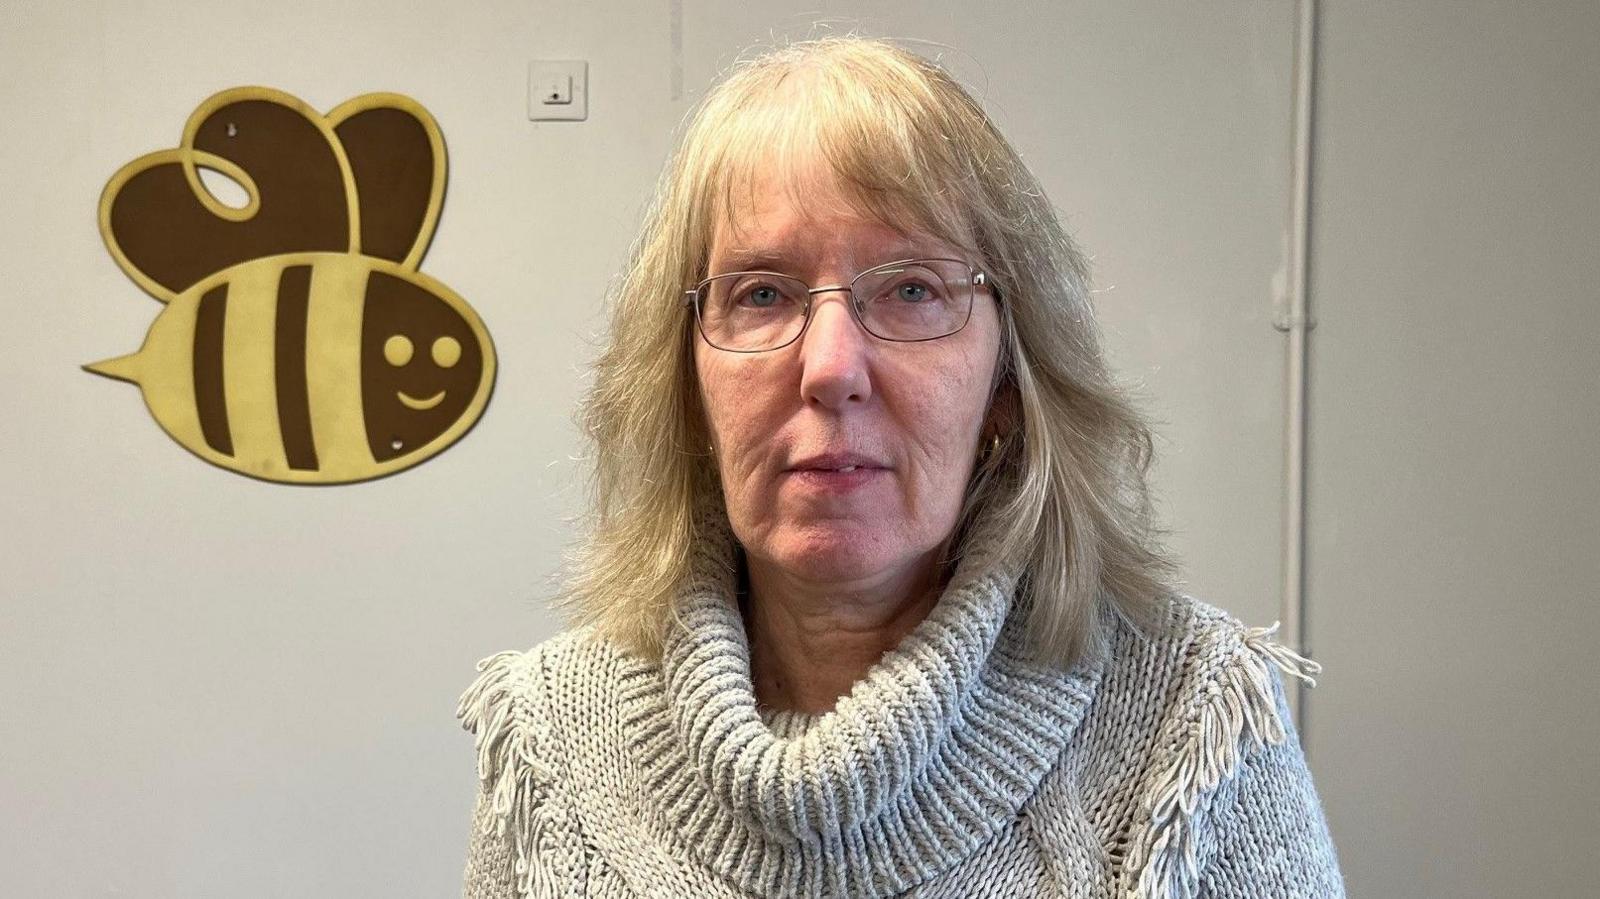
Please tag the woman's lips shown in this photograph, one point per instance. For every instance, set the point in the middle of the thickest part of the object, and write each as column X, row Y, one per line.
column 831, row 481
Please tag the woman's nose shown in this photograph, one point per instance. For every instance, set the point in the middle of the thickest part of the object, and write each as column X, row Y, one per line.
column 834, row 353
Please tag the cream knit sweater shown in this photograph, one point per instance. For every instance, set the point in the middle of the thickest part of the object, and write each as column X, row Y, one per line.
column 954, row 768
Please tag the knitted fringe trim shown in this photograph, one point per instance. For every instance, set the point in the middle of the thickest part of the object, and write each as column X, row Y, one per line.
column 1241, row 701
column 518, row 782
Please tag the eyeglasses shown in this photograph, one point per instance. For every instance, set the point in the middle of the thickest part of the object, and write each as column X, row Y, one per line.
column 906, row 301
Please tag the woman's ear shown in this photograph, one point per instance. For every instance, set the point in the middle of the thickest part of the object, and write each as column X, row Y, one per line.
column 1005, row 412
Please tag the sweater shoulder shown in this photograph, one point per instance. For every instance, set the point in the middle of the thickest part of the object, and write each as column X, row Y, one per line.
column 1223, row 702
column 1210, row 668
column 512, row 691
column 523, row 813
column 514, row 704
column 1201, row 641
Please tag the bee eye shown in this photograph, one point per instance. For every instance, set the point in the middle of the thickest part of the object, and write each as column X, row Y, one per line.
column 446, row 352
column 397, row 350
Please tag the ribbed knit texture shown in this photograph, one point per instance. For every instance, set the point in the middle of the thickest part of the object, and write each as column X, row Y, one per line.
column 954, row 767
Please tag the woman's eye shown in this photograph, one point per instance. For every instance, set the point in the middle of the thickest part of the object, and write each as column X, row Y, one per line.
column 911, row 292
column 763, row 297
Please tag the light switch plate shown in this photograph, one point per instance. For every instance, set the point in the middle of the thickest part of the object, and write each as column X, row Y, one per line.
column 558, row 90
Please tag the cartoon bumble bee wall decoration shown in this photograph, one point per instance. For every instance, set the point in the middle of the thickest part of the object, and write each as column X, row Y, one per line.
column 299, row 342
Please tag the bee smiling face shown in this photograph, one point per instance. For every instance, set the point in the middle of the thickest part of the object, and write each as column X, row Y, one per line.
column 420, row 366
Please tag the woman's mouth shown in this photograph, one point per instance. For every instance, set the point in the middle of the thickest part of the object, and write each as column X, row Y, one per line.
column 835, row 480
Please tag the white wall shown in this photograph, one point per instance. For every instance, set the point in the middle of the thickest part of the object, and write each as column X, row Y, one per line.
column 211, row 685
column 1455, row 546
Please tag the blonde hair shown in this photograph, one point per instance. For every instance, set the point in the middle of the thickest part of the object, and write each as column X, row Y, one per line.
column 1066, row 488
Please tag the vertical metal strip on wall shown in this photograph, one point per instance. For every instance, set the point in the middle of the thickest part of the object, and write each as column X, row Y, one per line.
column 1296, row 322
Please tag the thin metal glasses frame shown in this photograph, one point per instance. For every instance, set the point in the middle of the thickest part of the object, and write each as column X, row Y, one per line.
column 977, row 278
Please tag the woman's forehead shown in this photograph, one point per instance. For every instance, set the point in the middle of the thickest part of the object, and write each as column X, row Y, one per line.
column 773, row 222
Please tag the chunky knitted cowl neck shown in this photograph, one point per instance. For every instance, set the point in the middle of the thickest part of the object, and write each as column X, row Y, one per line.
column 932, row 752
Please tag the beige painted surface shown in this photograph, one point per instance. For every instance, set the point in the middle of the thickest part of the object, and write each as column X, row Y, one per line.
column 1455, row 537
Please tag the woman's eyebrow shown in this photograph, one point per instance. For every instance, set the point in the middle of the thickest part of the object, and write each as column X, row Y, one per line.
column 741, row 259
column 745, row 259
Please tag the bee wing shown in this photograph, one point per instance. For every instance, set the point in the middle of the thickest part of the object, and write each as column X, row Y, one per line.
column 397, row 157
column 166, row 229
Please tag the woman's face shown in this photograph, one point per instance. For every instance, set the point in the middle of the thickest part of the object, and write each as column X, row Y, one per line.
column 913, row 410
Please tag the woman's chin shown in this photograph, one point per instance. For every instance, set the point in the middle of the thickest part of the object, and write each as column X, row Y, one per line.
column 834, row 552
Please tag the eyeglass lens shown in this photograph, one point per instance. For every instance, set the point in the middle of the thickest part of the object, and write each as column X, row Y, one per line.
column 915, row 300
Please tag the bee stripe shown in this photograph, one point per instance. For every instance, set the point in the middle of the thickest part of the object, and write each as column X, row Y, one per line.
column 247, row 372
column 210, row 397
column 294, row 403
column 333, row 364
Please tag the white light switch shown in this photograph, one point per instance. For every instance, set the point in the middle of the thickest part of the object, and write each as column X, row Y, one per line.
column 555, row 91
column 558, row 90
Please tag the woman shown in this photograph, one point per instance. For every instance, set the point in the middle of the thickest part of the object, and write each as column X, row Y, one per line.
column 872, row 605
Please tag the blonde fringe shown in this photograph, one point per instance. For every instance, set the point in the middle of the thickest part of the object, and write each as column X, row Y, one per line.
column 517, row 781
column 1242, row 701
